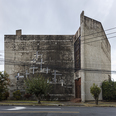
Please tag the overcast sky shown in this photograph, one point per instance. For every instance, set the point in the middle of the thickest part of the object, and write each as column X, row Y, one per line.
column 55, row 17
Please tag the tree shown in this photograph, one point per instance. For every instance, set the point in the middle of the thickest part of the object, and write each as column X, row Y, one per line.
column 37, row 86
column 95, row 91
column 4, row 82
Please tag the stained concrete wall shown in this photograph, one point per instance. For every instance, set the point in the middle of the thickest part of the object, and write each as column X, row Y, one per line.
column 95, row 56
column 57, row 54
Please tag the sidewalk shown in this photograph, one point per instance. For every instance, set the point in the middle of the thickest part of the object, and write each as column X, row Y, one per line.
column 58, row 103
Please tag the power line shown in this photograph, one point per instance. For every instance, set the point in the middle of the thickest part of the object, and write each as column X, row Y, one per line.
column 89, row 39
column 69, row 35
column 28, row 62
column 84, row 43
column 98, row 40
column 99, row 36
column 99, row 31
column 63, row 68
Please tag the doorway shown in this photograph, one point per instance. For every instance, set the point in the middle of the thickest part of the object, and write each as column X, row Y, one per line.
column 78, row 88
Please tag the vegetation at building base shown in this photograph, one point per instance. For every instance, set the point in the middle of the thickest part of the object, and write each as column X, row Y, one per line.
column 17, row 94
column 109, row 90
column 95, row 91
column 4, row 82
column 37, row 86
column 5, row 95
column 27, row 96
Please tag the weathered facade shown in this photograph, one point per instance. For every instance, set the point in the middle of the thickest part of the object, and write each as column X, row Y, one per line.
column 72, row 63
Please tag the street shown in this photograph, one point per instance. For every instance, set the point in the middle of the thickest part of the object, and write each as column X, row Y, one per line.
column 56, row 111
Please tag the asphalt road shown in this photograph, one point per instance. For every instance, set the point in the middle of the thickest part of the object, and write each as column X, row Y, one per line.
column 56, row 111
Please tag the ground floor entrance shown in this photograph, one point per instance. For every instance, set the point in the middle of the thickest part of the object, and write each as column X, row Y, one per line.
column 78, row 88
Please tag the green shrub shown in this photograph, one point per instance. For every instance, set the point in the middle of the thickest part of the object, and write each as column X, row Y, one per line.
column 0, row 97
column 95, row 91
column 17, row 95
column 27, row 95
column 5, row 95
column 4, row 83
column 109, row 90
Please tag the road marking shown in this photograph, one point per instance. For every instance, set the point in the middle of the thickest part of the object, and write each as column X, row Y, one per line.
column 17, row 108
column 58, row 112
column 45, row 108
column 20, row 108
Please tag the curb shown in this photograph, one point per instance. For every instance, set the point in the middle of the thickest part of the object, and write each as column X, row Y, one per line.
column 61, row 104
column 75, row 105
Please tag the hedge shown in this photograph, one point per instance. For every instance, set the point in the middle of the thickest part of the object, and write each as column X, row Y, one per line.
column 109, row 90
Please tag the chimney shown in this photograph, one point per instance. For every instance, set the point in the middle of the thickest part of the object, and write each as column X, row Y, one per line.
column 18, row 32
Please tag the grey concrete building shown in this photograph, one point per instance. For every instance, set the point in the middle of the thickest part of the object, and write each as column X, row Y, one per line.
column 71, row 63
